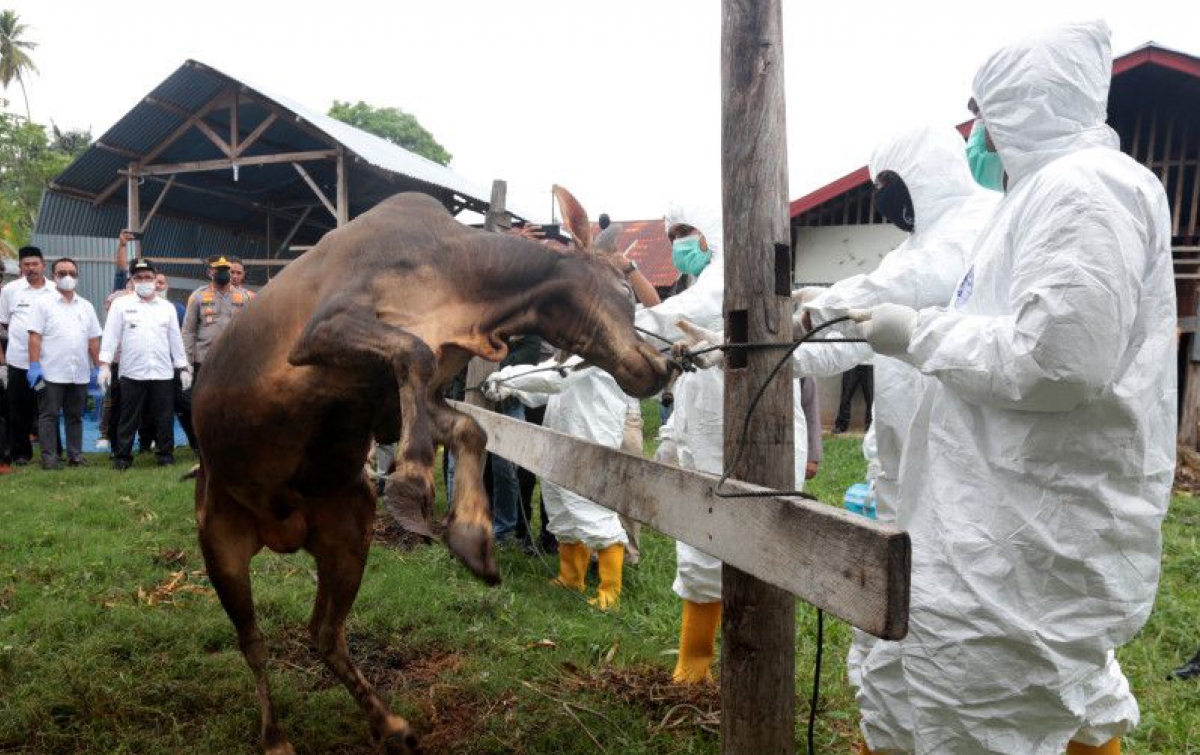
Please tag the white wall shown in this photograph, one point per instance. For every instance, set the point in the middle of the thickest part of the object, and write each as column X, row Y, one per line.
column 827, row 254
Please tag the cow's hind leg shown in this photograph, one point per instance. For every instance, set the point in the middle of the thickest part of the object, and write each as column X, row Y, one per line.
column 469, row 535
column 339, row 536
column 346, row 333
column 228, row 540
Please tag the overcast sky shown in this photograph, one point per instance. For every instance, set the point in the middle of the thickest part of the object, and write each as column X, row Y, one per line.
column 619, row 100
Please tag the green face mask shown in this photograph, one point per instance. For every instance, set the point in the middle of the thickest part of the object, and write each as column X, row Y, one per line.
column 985, row 166
column 688, row 257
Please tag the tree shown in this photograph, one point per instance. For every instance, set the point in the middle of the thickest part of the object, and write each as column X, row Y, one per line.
column 14, row 54
column 29, row 159
column 393, row 124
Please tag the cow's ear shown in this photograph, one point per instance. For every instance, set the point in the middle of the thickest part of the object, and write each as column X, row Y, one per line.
column 575, row 218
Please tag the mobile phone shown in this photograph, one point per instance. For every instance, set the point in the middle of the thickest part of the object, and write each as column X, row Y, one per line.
column 136, row 235
column 550, row 231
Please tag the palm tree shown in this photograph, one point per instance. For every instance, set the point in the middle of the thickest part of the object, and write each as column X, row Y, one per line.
column 14, row 54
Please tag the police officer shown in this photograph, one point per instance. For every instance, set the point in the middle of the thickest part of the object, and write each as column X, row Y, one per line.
column 210, row 308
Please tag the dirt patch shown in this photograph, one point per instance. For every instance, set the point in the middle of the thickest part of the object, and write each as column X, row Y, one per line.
column 391, row 535
column 668, row 705
column 1187, row 470
column 448, row 716
column 390, row 668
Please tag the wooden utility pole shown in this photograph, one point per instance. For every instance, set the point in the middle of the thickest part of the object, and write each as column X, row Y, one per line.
column 497, row 219
column 133, row 211
column 758, row 705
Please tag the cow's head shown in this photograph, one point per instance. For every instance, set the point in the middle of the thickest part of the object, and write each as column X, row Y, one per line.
column 590, row 312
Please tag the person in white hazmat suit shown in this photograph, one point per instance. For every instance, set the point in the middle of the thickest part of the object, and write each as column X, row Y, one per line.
column 1038, row 467
column 693, row 435
column 588, row 404
column 947, row 209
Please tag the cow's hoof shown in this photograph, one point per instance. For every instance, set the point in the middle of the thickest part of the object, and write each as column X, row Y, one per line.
column 474, row 546
column 401, row 743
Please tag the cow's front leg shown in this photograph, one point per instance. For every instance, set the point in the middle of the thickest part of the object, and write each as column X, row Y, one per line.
column 347, row 334
column 469, row 535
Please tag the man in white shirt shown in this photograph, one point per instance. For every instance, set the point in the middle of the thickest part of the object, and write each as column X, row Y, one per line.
column 64, row 344
column 16, row 303
column 146, row 331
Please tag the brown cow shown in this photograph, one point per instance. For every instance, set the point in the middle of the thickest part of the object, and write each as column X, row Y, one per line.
column 362, row 331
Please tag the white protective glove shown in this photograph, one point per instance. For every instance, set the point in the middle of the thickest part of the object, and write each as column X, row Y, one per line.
column 667, row 452
column 696, row 338
column 3, row 376
column 185, row 378
column 104, row 378
column 888, row 328
column 801, row 297
column 494, row 390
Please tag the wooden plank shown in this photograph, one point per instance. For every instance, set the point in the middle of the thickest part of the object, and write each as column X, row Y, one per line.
column 127, row 154
column 170, row 107
column 161, row 196
column 1137, row 136
column 1165, row 164
column 223, row 163
column 133, row 210
column 163, row 145
column 758, row 619
column 1149, row 161
column 292, row 231
column 259, row 130
column 343, row 189
column 233, row 126
column 1176, row 220
column 1189, row 423
column 316, row 190
column 852, row 567
column 199, row 261
column 213, row 137
column 1192, row 220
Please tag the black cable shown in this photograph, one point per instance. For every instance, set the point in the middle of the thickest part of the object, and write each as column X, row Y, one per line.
column 816, row 690
column 741, row 444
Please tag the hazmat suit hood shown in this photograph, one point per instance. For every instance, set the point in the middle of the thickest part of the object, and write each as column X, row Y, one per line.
column 932, row 162
column 704, row 218
column 1046, row 96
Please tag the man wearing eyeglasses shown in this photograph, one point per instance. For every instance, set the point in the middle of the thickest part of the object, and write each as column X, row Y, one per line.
column 16, row 303
column 64, row 350
column 146, row 331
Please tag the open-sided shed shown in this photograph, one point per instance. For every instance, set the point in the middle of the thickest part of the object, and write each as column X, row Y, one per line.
column 208, row 163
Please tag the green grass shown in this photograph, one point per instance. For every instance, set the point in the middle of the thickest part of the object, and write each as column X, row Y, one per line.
column 97, row 656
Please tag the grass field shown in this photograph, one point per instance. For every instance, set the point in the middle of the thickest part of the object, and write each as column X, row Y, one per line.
column 112, row 642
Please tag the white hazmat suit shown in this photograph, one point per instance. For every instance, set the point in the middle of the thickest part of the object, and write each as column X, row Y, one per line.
column 586, row 404
column 1039, row 465
column 696, row 426
column 950, row 209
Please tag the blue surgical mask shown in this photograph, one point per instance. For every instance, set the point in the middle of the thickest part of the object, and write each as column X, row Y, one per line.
column 985, row 165
column 688, row 257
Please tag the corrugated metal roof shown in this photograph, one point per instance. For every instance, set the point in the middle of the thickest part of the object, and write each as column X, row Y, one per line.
column 377, row 168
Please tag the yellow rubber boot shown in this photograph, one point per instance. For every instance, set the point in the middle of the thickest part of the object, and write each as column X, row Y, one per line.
column 612, row 560
column 572, row 566
column 697, row 642
column 1111, row 747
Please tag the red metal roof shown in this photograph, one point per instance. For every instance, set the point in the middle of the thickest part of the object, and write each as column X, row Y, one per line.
column 651, row 249
column 1148, row 54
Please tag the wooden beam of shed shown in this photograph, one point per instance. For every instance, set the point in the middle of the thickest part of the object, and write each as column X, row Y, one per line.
column 162, row 146
column 170, row 107
column 850, row 566
column 213, row 137
column 222, row 163
column 235, row 200
column 316, row 190
column 161, row 196
column 292, row 231
column 249, row 141
column 127, row 154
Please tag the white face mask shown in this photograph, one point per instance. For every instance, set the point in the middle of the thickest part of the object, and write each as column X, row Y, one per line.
column 67, row 283
column 145, row 289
